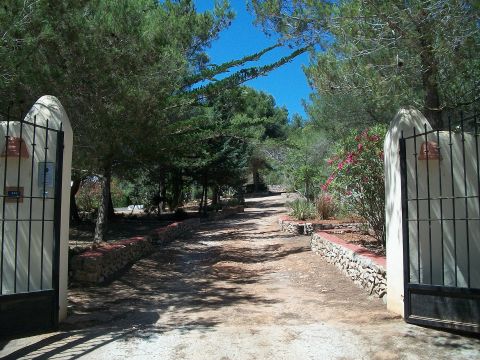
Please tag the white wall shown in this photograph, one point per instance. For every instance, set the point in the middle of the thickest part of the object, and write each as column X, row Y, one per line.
column 47, row 107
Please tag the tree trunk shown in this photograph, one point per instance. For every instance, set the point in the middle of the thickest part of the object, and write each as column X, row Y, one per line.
column 205, row 202
column 256, row 181
column 432, row 106
column 159, row 203
column 102, row 217
column 164, row 195
column 111, row 209
column 177, row 190
column 74, row 215
column 240, row 195
column 215, row 195
column 307, row 189
column 201, row 203
column 432, row 98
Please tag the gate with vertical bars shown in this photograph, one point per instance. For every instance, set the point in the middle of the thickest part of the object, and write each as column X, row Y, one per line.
column 31, row 157
column 441, row 226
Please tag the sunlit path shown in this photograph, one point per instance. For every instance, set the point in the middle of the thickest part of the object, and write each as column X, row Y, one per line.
column 238, row 289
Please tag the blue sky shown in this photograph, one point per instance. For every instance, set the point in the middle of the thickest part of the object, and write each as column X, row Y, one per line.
column 287, row 84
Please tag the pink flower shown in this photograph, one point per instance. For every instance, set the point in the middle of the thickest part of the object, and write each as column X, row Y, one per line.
column 329, row 161
column 340, row 165
column 374, row 138
column 348, row 193
column 329, row 180
column 349, row 158
column 360, row 147
column 365, row 133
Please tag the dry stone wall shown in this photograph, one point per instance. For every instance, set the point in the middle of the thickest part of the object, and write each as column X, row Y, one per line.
column 364, row 267
column 297, row 227
column 164, row 235
column 100, row 264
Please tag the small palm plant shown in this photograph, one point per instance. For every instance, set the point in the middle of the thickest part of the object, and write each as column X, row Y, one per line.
column 302, row 209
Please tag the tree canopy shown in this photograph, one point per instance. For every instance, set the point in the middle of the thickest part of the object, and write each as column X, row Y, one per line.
column 371, row 57
column 138, row 86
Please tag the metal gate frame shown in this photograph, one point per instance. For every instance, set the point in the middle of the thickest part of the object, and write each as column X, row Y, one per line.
column 439, row 306
column 31, row 312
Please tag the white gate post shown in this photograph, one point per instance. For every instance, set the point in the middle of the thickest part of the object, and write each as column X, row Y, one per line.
column 49, row 107
column 405, row 120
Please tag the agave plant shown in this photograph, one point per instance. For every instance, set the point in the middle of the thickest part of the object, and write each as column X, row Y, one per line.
column 302, row 209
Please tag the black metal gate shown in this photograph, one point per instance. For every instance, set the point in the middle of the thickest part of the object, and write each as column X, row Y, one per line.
column 441, row 226
column 31, row 161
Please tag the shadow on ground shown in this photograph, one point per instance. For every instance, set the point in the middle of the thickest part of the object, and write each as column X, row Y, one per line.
column 188, row 277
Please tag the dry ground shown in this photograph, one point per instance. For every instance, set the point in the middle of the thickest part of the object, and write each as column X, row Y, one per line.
column 237, row 289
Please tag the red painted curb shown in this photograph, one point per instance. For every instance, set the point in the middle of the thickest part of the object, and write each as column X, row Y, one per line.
column 359, row 250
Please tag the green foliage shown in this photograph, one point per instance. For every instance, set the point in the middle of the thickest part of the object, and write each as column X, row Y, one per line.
column 375, row 56
column 116, row 65
column 357, row 176
column 128, row 74
column 119, row 193
column 225, row 145
column 300, row 160
column 89, row 195
column 302, row 209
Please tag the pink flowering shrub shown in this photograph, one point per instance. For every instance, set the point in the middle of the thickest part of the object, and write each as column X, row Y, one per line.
column 357, row 176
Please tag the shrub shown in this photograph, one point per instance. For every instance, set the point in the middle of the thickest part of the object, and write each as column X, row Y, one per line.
column 357, row 176
column 89, row 195
column 302, row 209
column 119, row 194
column 326, row 206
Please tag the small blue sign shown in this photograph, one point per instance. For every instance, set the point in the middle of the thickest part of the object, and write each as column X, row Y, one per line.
column 46, row 174
column 14, row 194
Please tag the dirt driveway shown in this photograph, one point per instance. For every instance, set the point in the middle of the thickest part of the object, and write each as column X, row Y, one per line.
column 237, row 289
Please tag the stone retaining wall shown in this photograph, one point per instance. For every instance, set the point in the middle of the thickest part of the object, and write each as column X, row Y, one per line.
column 363, row 266
column 298, row 227
column 277, row 188
column 99, row 264
column 167, row 234
column 102, row 263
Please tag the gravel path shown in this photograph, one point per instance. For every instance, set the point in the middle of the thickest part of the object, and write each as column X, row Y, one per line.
column 237, row 289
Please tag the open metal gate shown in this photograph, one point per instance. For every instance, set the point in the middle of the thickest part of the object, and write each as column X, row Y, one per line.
column 441, row 226
column 31, row 158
